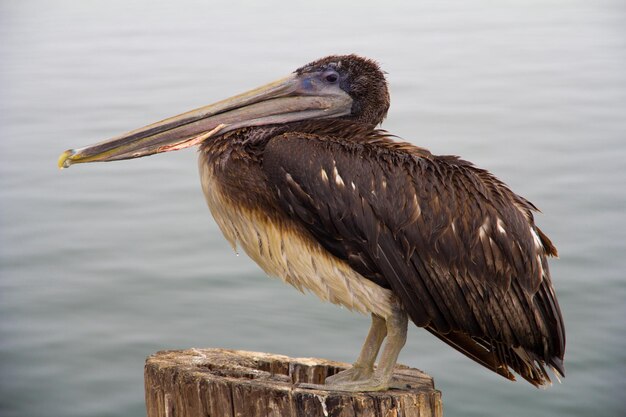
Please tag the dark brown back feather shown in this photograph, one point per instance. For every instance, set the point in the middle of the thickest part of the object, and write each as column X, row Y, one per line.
column 456, row 245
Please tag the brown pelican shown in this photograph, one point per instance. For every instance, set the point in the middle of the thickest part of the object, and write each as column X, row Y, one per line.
column 296, row 173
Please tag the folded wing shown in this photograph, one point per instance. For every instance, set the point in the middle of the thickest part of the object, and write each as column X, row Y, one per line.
column 458, row 248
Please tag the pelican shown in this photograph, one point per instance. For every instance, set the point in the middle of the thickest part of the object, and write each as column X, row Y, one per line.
column 298, row 175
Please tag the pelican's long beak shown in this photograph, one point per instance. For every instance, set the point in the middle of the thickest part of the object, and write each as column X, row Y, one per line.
column 292, row 98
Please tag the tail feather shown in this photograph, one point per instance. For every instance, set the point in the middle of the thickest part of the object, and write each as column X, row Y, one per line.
column 500, row 358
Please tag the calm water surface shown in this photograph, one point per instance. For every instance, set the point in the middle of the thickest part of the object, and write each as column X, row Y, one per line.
column 104, row 264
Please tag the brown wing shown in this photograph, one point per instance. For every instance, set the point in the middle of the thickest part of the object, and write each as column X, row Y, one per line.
column 457, row 247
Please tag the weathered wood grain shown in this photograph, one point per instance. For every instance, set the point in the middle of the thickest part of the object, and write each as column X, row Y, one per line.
column 228, row 383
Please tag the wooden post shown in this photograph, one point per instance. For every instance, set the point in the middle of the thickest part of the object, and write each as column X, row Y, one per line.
column 230, row 383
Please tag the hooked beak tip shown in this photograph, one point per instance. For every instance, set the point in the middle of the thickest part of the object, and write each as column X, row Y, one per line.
column 65, row 160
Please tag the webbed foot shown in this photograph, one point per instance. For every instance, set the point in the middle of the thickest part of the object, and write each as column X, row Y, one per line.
column 371, row 384
column 356, row 373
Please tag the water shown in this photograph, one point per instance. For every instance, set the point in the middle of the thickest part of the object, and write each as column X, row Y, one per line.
column 104, row 264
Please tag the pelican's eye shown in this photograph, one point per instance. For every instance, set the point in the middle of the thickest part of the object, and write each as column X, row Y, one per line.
column 330, row 76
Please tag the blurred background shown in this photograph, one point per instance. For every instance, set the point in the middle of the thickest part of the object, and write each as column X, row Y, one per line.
column 104, row 264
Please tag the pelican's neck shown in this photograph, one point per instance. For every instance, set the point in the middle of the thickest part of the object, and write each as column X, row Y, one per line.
column 254, row 139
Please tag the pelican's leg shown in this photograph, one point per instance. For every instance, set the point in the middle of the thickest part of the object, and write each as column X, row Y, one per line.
column 363, row 368
column 396, row 329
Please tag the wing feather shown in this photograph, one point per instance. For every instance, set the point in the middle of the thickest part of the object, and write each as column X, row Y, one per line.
column 458, row 248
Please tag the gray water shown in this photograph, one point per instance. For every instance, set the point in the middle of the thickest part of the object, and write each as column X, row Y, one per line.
column 103, row 264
